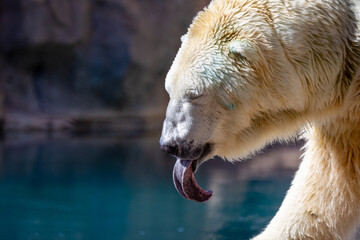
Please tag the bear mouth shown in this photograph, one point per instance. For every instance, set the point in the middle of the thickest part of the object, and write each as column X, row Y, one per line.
column 184, row 179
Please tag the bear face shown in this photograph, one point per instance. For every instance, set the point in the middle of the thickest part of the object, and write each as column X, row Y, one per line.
column 224, row 93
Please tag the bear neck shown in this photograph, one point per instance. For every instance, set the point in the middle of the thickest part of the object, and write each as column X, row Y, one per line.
column 325, row 193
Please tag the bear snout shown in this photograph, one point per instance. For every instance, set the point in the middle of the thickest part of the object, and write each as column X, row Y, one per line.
column 173, row 150
column 183, row 150
column 186, row 150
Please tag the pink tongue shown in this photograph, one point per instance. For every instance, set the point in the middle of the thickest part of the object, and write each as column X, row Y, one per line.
column 185, row 183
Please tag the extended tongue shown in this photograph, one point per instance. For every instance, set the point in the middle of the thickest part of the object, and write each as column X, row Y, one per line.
column 185, row 183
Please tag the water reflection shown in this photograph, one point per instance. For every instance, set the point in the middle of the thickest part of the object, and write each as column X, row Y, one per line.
column 113, row 189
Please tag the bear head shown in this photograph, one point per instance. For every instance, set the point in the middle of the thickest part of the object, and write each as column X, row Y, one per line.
column 234, row 87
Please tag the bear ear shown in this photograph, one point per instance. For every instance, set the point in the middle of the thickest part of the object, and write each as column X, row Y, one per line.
column 183, row 37
column 243, row 48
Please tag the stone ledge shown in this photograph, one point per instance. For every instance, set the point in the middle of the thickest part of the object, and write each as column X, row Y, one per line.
column 85, row 124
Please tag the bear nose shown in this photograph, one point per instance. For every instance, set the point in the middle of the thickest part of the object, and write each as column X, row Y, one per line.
column 173, row 150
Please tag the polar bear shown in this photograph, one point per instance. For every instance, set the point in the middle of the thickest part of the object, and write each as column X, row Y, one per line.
column 252, row 71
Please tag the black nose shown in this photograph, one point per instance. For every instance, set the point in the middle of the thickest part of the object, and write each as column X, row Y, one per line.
column 174, row 150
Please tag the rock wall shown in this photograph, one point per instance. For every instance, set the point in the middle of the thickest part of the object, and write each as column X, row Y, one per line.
column 69, row 59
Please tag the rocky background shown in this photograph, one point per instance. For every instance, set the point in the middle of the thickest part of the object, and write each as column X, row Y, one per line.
column 88, row 65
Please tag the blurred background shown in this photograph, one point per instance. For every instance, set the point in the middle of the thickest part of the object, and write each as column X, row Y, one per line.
column 88, row 64
column 81, row 107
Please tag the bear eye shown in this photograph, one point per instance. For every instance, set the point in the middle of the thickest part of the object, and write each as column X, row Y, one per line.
column 194, row 96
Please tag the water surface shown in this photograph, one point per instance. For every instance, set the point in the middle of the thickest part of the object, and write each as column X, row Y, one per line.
column 122, row 189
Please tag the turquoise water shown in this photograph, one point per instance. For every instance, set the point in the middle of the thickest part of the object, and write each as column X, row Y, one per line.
column 117, row 189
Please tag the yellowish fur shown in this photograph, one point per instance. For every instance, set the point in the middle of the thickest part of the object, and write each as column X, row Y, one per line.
column 305, row 76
